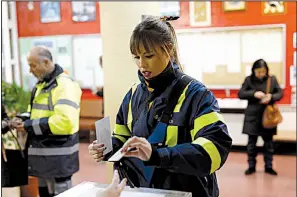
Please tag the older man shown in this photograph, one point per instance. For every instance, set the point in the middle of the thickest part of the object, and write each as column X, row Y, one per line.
column 53, row 124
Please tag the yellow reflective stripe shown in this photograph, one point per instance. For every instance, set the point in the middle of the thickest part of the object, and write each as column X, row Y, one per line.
column 181, row 99
column 122, row 130
column 120, row 138
column 130, row 118
column 172, row 134
column 205, row 120
column 211, row 150
column 150, row 104
column 37, row 113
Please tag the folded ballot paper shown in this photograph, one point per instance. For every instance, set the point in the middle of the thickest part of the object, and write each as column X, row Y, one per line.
column 103, row 133
column 91, row 189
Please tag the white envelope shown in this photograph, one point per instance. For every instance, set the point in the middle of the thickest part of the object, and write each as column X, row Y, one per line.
column 117, row 156
column 103, row 133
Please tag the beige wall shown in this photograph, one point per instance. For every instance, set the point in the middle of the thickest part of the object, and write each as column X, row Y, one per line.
column 118, row 19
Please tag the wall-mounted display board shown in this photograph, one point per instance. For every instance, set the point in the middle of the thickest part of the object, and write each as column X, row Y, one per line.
column 222, row 57
column 78, row 55
column 60, row 46
column 86, row 53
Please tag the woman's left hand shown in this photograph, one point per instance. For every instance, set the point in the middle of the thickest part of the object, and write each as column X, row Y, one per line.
column 266, row 99
column 142, row 149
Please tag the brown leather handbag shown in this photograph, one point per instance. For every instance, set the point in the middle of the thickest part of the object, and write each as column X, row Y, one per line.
column 271, row 116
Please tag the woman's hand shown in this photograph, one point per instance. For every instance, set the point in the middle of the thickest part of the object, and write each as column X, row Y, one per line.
column 96, row 151
column 259, row 94
column 142, row 149
column 17, row 124
column 115, row 188
column 266, row 99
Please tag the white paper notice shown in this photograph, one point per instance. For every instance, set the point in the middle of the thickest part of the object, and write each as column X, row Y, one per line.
column 293, row 75
column 103, row 133
column 233, row 51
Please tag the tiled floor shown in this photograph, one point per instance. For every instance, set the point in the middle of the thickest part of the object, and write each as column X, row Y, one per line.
column 232, row 181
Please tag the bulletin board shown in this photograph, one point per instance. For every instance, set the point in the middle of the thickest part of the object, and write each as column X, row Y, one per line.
column 222, row 57
column 87, row 50
column 60, row 47
column 78, row 55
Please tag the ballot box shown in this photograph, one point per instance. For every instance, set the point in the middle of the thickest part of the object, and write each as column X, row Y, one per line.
column 90, row 189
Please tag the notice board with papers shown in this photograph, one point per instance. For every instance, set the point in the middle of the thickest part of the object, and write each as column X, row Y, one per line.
column 222, row 57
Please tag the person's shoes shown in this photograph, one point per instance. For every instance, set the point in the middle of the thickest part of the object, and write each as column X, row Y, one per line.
column 250, row 171
column 270, row 171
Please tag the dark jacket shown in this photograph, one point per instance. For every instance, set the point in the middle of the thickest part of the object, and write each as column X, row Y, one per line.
column 254, row 111
column 196, row 142
column 14, row 168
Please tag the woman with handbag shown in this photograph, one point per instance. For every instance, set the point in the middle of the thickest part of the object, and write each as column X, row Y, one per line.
column 14, row 161
column 261, row 91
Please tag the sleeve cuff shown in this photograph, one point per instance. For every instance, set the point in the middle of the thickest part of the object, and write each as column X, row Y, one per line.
column 28, row 125
column 155, row 159
column 37, row 126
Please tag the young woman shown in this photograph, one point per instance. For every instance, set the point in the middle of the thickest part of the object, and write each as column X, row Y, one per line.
column 254, row 90
column 169, row 125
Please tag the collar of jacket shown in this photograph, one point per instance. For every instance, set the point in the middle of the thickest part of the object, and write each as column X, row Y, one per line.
column 163, row 80
column 50, row 79
column 257, row 80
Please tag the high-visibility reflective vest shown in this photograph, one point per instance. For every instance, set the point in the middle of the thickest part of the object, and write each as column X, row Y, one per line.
column 195, row 145
column 53, row 127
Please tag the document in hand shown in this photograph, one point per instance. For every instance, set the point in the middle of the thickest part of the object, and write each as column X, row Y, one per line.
column 103, row 133
column 117, row 156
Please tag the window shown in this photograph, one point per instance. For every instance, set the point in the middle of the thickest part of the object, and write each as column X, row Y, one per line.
column 13, row 72
column 9, row 10
column 11, row 45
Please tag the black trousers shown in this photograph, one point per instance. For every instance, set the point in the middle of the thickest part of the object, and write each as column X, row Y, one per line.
column 252, row 150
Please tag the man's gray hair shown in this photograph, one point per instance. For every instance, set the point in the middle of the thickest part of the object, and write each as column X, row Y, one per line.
column 44, row 53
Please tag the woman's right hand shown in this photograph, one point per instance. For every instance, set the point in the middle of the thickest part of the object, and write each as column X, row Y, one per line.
column 259, row 94
column 96, row 151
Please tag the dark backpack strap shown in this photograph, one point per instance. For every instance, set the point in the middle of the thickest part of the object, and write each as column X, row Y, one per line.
column 158, row 135
column 176, row 91
column 173, row 98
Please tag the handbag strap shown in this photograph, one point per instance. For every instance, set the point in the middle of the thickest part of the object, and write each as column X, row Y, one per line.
column 268, row 85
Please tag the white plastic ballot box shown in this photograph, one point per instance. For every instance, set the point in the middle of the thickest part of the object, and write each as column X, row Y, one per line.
column 90, row 189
